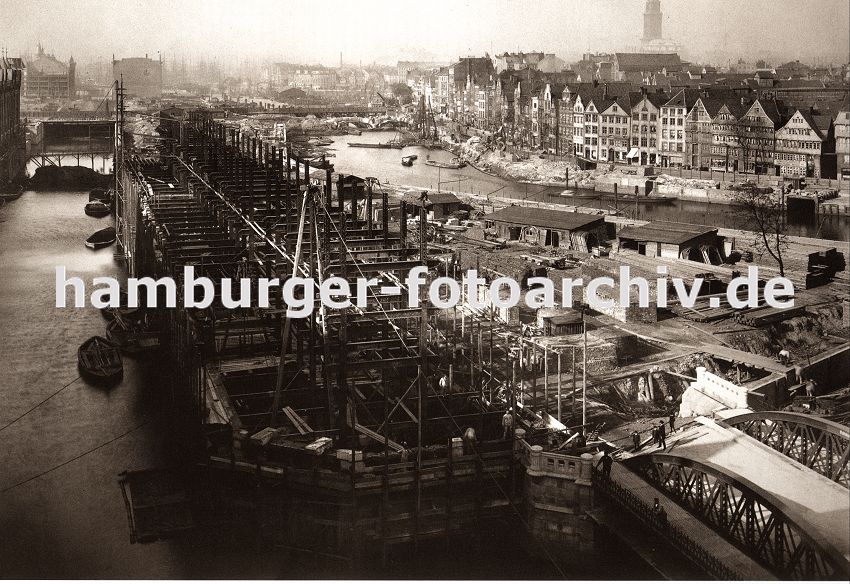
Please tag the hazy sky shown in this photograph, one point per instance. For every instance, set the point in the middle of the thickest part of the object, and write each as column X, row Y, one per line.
column 367, row 30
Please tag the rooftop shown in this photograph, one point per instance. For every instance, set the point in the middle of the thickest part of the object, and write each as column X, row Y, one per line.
column 639, row 62
column 546, row 218
column 665, row 232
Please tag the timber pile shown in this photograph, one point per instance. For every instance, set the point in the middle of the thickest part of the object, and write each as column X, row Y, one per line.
column 767, row 315
column 702, row 311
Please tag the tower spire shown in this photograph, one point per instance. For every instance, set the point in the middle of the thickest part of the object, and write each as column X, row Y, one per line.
column 652, row 19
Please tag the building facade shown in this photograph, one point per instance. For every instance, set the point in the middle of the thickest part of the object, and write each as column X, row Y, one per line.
column 802, row 147
column 49, row 78
column 11, row 131
column 841, row 125
column 142, row 77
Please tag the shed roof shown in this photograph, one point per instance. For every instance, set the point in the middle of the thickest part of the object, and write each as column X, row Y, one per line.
column 665, row 232
column 412, row 198
column 547, row 218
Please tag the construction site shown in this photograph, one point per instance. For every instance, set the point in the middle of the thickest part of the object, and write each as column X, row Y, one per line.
column 356, row 433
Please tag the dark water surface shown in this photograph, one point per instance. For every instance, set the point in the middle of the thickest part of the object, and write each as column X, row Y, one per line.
column 71, row 522
column 386, row 166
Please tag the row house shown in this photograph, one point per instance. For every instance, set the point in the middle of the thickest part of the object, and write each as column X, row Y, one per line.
column 526, row 105
column 841, row 125
column 805, row 146
column 442, row 90
column 674, row 114
column 549, row 117
column 614, row 121
column 725, row 136
column 565, row 121
column 646, row 126
column 463, row 76
column 757, row 136
column 698, row 131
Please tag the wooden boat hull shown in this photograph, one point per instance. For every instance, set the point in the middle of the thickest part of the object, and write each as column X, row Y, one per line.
column 647, row 199
column 132, row 337
column 376, row 145
column 450, row 166
column 94, row 210
column 16, row 194
column 99, row 361
column 574, row 195
column 102, row 238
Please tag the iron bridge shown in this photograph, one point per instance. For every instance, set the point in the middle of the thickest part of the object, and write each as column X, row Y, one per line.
column 745, row 515
column 821, row 445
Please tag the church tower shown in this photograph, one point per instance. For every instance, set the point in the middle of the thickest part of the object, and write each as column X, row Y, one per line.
column 652, row 20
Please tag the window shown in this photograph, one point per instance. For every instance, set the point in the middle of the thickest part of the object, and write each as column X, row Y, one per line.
column 653, row 117
column 652, row 143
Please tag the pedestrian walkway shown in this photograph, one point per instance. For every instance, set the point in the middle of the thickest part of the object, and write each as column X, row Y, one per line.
column 723, row 551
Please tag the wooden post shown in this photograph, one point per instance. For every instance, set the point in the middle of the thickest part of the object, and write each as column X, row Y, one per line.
column 559, row 386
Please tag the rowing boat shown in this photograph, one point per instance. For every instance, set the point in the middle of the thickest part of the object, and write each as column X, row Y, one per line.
column 99, row 361
column 13, row 192
column 101, row 238
column 97, row 209
column 454, row 164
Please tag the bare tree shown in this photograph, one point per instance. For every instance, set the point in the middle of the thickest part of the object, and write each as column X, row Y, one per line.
column 765, row 214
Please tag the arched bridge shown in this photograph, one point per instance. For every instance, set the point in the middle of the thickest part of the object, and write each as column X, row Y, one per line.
column 754, row 519
column 821, row 445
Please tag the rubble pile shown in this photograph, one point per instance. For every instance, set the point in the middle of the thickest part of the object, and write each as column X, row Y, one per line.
column 143, row 131
column 687, row 183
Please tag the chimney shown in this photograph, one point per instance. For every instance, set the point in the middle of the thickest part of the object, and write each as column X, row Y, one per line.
column 605, row 91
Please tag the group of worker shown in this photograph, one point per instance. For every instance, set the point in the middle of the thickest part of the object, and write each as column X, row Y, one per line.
column 659, row 433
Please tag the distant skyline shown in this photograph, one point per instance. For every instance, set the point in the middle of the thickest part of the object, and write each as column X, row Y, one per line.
column 388, row 30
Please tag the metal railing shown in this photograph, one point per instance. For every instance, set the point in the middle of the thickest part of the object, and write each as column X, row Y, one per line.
column 675, row 536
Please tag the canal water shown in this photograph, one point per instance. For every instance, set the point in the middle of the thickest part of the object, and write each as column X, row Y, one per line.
column 61, row 517
column 385, row 165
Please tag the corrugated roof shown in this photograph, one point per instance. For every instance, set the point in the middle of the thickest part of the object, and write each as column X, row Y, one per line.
column 547, row 218
column 665, row 232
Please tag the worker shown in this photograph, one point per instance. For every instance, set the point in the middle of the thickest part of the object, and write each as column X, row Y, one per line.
column 469, row 440
column 662, row 435
column 507, row 423
column 784, row 357
column 581, row 441
column 636, row 440
column 606, row 461
column 810, row 388
column 444, row 383
column 672, row 421
column 660, row 514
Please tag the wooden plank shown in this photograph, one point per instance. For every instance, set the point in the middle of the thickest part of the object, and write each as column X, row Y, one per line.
column 297, row 421
column 378, row 438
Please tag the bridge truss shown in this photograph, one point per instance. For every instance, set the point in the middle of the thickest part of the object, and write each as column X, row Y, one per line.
column 749, row 518
column 821, row 445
